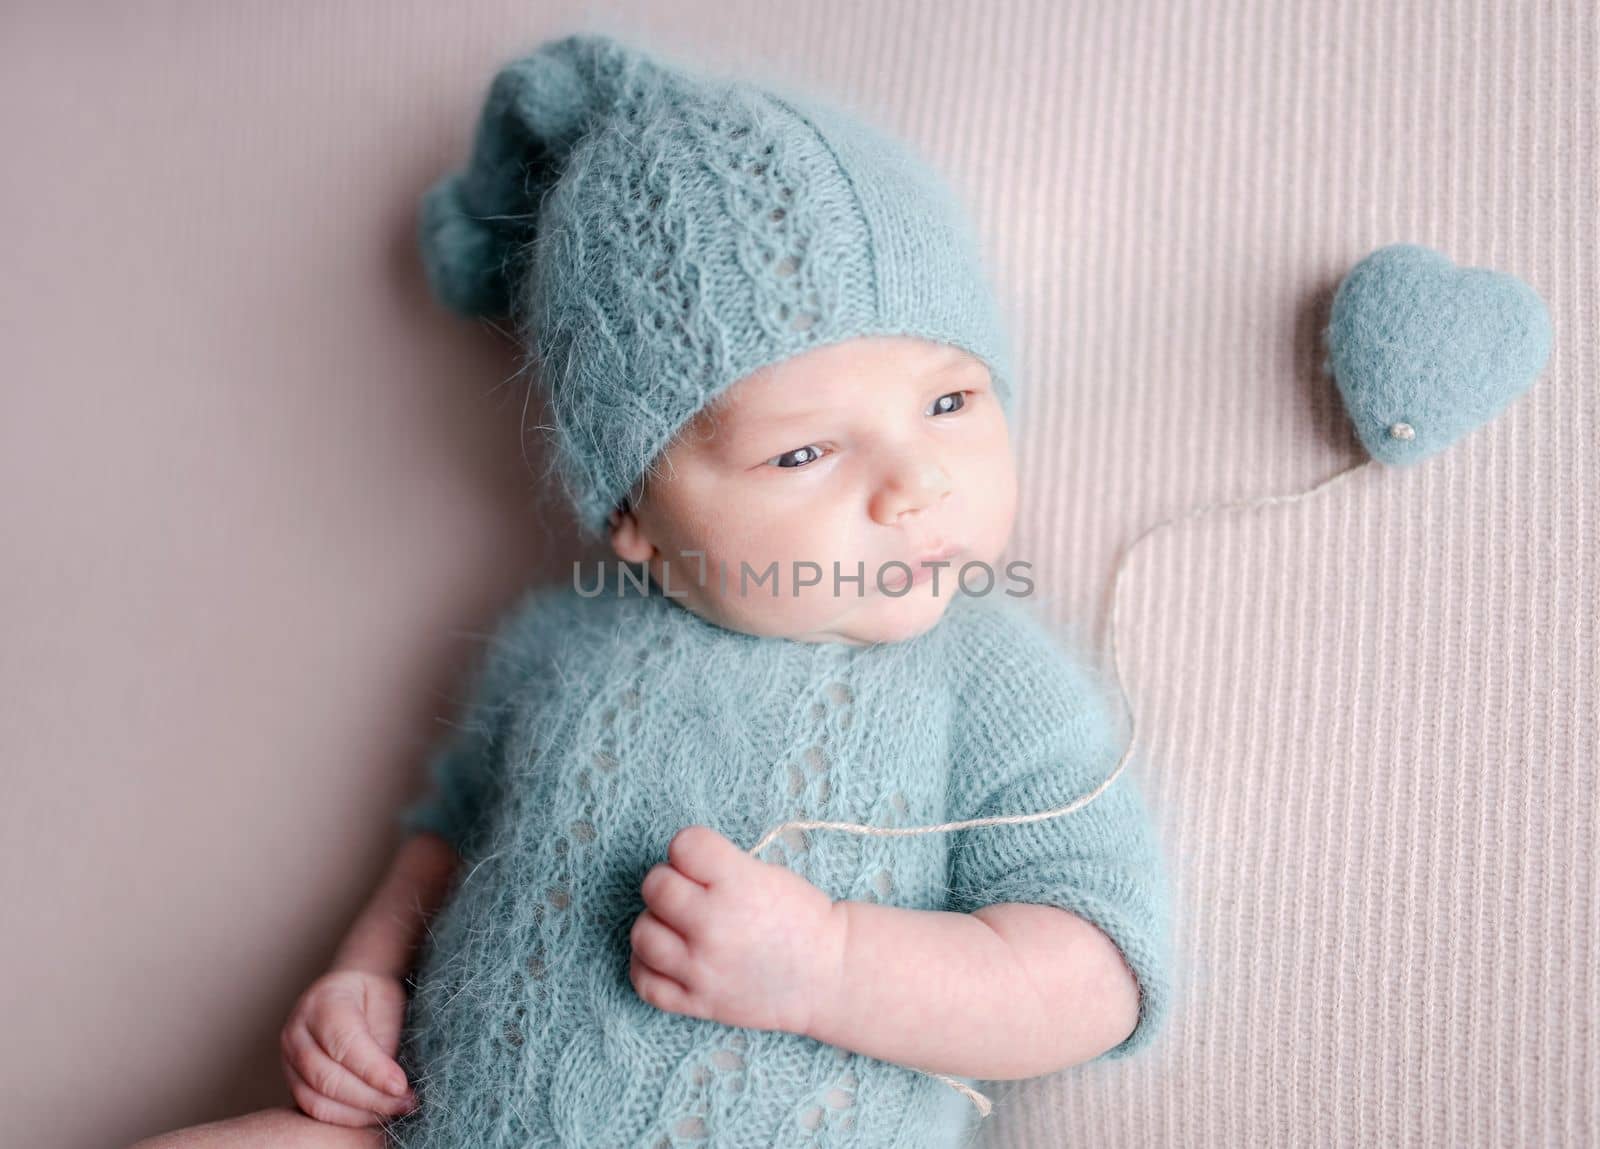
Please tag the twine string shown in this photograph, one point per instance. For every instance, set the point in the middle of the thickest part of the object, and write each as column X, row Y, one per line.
column 983, row 1104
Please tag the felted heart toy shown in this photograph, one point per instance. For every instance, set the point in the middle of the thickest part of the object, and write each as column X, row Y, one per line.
column 1424, row 351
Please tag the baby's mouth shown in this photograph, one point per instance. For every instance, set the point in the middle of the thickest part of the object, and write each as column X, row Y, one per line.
column 894, row 579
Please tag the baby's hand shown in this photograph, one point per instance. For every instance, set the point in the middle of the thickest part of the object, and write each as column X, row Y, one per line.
column 338, row 1049
column 729, row 937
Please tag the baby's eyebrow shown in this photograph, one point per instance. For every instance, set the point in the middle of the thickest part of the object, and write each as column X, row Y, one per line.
column 746, row 423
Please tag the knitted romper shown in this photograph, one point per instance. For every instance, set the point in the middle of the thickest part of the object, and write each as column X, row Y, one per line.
column 599, row 727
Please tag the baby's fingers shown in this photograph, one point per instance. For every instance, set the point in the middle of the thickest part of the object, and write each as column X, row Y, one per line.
column 349, row 1042
column 671, row 896
column 318, row 1066
column 314, row 1104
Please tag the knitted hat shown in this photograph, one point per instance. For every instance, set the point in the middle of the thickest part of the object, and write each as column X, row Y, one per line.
column 658, row 233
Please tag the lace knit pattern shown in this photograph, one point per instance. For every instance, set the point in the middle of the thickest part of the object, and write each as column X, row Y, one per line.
column 595, row 729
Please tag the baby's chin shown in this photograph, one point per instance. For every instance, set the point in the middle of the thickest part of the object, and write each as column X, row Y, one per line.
column 871, row 619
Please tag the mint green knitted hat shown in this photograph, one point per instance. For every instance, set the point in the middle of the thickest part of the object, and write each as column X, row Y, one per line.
column 657, row 233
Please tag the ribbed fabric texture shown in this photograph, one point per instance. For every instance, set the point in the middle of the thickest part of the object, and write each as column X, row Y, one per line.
column 660, row 233
column 595, row 729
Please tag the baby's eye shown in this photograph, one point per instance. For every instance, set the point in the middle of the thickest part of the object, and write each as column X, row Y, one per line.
column 803, row 455
column 811, row 452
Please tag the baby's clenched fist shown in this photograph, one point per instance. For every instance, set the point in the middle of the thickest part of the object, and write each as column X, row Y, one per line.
column 338, row 1049
column 729, row 937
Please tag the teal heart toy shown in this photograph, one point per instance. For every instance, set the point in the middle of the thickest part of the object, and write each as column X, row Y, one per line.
column 1424, row 352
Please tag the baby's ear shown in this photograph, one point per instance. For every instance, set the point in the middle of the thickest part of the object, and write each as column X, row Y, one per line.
column 627, row 539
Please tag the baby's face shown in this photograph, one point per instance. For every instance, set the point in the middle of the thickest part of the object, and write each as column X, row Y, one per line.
column 851, row 455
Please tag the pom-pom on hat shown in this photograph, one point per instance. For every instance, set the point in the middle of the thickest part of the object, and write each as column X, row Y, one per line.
column 657, row 233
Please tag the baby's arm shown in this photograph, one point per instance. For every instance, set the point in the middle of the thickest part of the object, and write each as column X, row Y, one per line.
column 384, row 936
column 1008, row 991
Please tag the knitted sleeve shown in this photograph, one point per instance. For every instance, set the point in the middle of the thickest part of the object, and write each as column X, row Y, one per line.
column 465, row 767
column 1035, row 731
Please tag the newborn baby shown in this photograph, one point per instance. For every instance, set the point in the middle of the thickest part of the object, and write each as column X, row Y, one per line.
column 782, row 394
